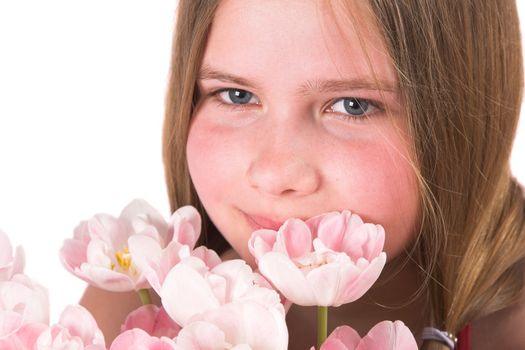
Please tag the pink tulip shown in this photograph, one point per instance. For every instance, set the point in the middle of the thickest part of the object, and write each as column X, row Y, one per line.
column 156, row 262
column 24, row 312
column 9, row 264
column 237, row 325
column 152, row 319
column 385, row 335
column 23, row 297
column 329, row 260
column 75, row 330
column 147, row 220
column 99, row 252
column 389, row 335
column 185, row 226
column 137, row 339
column 192, row 288
column 24, row 338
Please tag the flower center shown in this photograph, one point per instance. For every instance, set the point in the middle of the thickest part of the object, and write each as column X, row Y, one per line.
column 123, row 258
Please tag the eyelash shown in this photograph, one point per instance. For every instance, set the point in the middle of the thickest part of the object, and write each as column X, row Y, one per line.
column 376, row 108
column 345, row 116
column 231, row 106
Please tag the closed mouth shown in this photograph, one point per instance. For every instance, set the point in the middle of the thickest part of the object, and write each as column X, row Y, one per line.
column 260, row 222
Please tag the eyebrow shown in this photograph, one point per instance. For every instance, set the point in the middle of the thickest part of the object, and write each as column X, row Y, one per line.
column 357, row 83
column 208, row 73
column 310, row 86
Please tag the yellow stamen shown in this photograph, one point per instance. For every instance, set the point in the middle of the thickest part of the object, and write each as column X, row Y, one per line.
column 123, row 258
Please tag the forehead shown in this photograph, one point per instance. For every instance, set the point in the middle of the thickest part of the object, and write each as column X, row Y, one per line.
column 290, row 40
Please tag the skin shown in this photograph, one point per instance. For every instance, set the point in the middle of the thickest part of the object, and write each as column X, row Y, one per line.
column 291, row 150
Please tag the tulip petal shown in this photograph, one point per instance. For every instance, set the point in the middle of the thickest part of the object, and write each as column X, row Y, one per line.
column 137, row 339
column 152, row 319
column 142, row 216
column 25, row 296
column 353, row 243
column 388, row 335
column 107, row 279
column 342, row 338
column 333, row 344
column 186, row 225
column 6, row 250
column 249, row 323
column 185, row 293
column 170, row 257
column 25, row 337
column 287, row 278
column 261, row 242
column 144, row 250
column 238, row 276
column 325, row 282
column 81, row 323
column 314, row 222
column 108, row 229
column 367, row 277
column 208, row 256
column 201, row 335
column 10, row 322
column 73, row 254
column 9, row 264
column 376, row 241
column 294, row 238
column 98, row 253
column 331, row 230
column 19, row 261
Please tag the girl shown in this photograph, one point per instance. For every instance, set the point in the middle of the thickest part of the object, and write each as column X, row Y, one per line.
column 401, row 111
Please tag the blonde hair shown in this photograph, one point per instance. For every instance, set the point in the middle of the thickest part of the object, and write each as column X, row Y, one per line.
column 460, row 73
column 193, row 24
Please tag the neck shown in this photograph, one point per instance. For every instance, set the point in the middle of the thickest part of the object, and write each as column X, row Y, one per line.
column 397, row 295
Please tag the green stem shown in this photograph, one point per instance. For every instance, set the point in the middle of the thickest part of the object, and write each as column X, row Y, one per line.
column 144, row 296
column 322, row 325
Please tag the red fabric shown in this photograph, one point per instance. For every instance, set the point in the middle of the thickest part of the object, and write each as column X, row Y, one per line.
column 464, row 338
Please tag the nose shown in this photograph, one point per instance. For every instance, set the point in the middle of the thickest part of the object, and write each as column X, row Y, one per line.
column 284, row 165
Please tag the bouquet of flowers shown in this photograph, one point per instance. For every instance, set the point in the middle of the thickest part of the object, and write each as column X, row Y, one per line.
column 328, row 260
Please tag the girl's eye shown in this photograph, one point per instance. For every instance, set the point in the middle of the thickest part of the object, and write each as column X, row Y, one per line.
column 353, row 107
column 237, row 97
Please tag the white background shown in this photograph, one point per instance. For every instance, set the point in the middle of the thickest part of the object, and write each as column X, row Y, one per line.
column 82, row 87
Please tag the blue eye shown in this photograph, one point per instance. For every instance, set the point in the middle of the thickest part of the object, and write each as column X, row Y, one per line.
column 237, row 97
column 354, row 107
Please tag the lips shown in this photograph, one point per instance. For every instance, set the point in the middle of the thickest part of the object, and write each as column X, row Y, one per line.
column 258, row 222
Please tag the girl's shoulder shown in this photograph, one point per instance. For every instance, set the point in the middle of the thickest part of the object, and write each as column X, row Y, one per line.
column 110, row 309
column 503, row 329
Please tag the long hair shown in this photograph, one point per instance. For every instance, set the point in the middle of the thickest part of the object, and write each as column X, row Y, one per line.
column 460, row 72
column 194, row 20
column 459, row 66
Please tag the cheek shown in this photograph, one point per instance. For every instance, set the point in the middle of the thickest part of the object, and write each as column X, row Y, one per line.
column 217, row 160
column 208, row 164
column 380, row 185
column 398, row 204
column 392, row 183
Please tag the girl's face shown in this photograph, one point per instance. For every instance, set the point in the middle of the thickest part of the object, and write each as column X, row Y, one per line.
column 291, row 122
